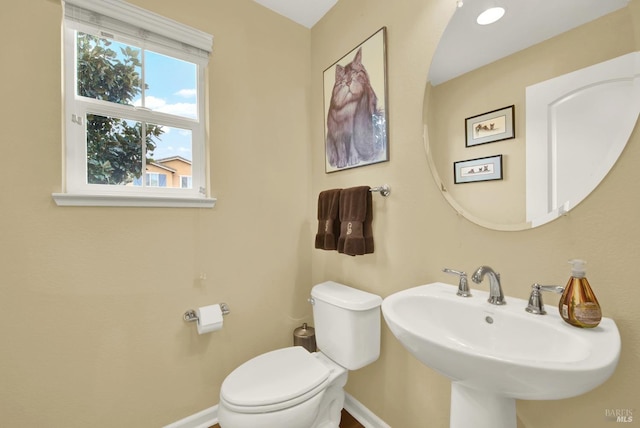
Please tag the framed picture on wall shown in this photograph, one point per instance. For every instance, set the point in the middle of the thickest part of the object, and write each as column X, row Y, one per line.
column 355, row 106
column 490, row 127
column 481, row 169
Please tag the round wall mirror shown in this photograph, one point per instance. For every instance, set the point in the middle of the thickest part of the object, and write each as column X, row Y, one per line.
column 525, row 116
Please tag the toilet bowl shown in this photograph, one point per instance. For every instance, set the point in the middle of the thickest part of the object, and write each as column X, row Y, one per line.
column 285, row 388
column 293, row 388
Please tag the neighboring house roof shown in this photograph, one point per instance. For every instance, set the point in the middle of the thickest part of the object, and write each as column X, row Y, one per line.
column 159, row 165
column 172, row 158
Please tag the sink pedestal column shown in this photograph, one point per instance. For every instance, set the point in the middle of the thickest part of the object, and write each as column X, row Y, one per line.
column 480, row 409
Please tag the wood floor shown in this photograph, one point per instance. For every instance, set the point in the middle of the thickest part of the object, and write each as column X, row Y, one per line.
column 346, row 421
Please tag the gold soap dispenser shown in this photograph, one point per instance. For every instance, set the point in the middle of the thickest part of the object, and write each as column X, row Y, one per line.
column 578, row 305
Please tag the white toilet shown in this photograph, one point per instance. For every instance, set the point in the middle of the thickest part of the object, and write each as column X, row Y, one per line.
column 292, row 388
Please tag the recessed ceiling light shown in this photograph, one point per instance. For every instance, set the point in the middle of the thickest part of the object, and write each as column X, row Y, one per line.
column 490, row 16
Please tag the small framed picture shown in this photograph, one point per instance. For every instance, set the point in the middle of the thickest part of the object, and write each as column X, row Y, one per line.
column 481, row 169
column 490, row 127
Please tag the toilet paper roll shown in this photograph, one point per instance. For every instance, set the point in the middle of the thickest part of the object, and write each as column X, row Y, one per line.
column 209, row 318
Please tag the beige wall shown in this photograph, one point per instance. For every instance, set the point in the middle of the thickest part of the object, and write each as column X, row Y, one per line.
column 91, row 302
column 91, row 305
column 417, row 233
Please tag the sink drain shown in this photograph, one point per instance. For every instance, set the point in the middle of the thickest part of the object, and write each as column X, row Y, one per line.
column 488, row 319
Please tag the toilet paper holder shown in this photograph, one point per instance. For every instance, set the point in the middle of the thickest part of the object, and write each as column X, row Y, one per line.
column 191, row 315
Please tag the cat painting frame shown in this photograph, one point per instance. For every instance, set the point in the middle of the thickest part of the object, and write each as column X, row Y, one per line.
column 355, row 106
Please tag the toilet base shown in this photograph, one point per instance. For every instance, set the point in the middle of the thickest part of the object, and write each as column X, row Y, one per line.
column 332, row 404
column 300, row 416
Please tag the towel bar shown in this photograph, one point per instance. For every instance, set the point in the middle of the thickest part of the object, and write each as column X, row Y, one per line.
column 384, row 190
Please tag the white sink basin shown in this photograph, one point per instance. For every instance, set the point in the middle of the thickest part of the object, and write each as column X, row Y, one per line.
column 499, row 352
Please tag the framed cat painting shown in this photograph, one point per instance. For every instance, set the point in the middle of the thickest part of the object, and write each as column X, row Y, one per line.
column 355, row 107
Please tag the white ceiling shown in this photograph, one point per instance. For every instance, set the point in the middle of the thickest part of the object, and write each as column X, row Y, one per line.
column 304, row 12
column 466, row 45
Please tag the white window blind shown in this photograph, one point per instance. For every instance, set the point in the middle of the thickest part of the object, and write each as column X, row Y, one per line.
column 117, row 17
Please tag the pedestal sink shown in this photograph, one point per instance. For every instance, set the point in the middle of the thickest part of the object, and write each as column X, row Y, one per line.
column 497, row 354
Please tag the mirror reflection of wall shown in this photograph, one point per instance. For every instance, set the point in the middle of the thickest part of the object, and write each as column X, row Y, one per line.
column 502, row 204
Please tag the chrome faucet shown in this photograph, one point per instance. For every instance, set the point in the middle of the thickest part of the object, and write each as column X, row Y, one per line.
column 536, row 305
column 495, row 289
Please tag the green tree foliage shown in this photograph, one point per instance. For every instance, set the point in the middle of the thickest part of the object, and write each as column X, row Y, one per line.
column 114, row 145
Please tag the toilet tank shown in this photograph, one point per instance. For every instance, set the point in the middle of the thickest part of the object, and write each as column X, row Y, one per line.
column 347, row 324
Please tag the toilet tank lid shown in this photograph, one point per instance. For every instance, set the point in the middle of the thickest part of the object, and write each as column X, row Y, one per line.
column 345, row 297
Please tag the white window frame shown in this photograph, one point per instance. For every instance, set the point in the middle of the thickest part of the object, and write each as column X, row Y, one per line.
column 128, row 24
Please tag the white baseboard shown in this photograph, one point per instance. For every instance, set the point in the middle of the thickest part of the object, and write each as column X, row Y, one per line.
column 204, row 419
column 209, row 417
column 362, row 414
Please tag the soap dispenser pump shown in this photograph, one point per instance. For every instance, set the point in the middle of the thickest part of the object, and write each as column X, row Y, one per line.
column 578, row 305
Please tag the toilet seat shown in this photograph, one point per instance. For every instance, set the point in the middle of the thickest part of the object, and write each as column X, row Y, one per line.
column 275, row 380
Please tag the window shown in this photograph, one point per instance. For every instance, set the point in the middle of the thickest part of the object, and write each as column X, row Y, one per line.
column 134, row 107
column 153, row 179
column 185, row 181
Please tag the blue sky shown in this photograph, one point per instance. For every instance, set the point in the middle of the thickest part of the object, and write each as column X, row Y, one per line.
column 172, row 89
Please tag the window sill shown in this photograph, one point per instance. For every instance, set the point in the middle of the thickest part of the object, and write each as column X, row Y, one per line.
column 85, row 200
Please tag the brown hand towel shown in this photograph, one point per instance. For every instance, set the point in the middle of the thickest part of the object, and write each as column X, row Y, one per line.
column 367, row 228
column 356, row 235
column 328, row 223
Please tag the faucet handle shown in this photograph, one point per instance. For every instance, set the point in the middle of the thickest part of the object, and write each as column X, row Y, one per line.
column 463, row 283
column 536, row 305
